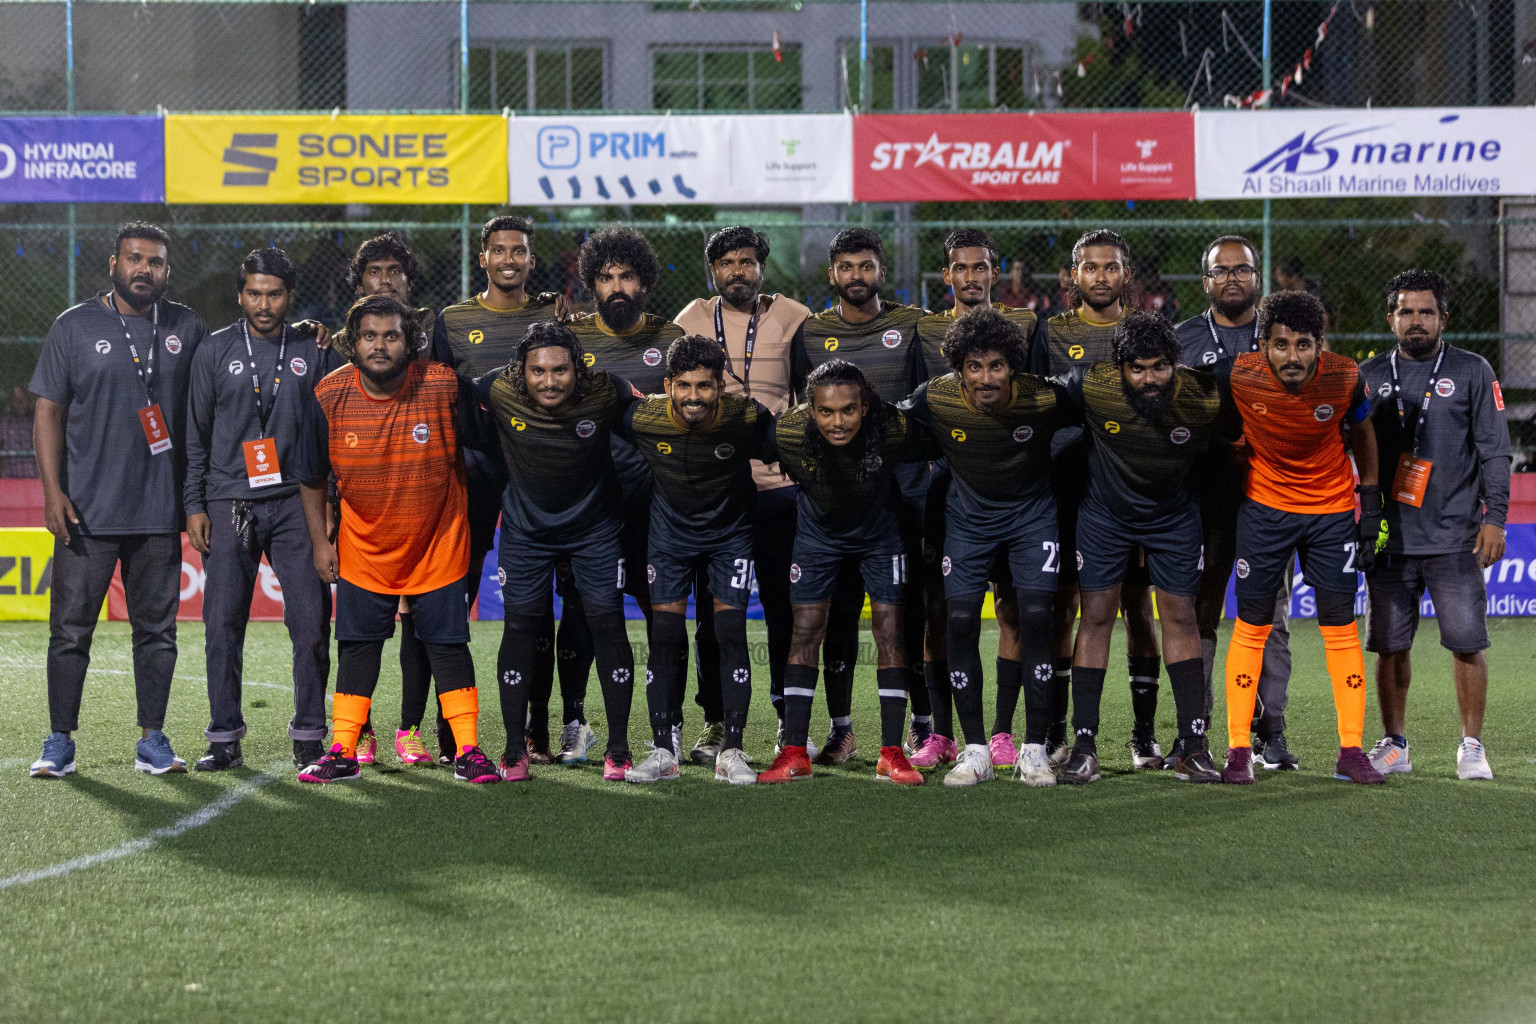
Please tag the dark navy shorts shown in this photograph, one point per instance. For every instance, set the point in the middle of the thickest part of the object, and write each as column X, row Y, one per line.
column 441, row 616
column 1267, row 536
column 672, row 570
column 526, row 565
column 815, row 567
column 1168, row 553
column 1027, row 557
column 1396, row 587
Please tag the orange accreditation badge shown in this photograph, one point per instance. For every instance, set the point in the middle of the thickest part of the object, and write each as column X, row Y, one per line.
column 155, row 431
column 261, row 468
column 1412, row 477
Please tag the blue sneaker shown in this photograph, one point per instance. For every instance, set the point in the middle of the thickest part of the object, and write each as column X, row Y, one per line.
column 58, row 758
column 155, row 756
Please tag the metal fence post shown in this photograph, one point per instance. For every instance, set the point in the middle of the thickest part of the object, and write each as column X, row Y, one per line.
column 1265, row 85
column 464, row 109
column 69, row 104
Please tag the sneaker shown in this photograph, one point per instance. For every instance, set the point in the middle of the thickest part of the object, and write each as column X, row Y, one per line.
column 1057, row 751
column 220, row 758
column 936, row 752
column 576, row 740
column 367, row 749
column 974, row 765
column 707, row 747
column 841, row 746
column 1145, row 753
column 894, row 767
column 1472, row 760
column 790, row 765
column 731, row 766
column 1081, row 768
column 409, row 748
column 658, row 767
column 1387, row 757
column 917, row 735
column 58, row 758
column 307, row 752
column 616, row 766
column 1174, row 753
column 1275, row 756
column 1355, row 767
column 1239, row 768
column 513, row 768
column 1004, row 755
column 1033, row 768
column 333, row 766
column 155, row 756
column 473, row 766
column 1194, row 764
column 537, row 753
column 811, row 750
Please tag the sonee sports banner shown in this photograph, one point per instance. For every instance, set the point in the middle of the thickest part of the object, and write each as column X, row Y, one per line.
column 345, row 159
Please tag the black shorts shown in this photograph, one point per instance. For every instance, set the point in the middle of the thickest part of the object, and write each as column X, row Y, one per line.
column 1266, row 537
column 526, row 566
column 1069, row 482
column 1169, row 552
column 728, row 565
column 1396, row 587
column 1026, row 557
column 441, row 616
column 815, row 566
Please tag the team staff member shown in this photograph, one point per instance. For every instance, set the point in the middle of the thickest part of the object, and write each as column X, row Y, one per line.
column 880, row 338
column 1083, row 335
column 1439, row 419
column 699, row 444
column 250, row 386
column 764, row 342
column 1149, row 422
column 843, row 447
column 971, row 269
column 389, row 427
column 554, row 416
column 994, row 424
column 474, row 337
column 1293, row 398
column 1229, row 273
column 111, row 383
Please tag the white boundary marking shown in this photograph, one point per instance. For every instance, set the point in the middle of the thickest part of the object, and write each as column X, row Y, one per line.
column 202, row 816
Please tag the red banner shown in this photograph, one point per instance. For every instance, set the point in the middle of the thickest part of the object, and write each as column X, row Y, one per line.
column 899, row 158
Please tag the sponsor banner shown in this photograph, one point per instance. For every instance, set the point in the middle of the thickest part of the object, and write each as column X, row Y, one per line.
column 344, row 159
column 672, row 160
column 917, row 157
column 81, row 160
column 1386, row 151
column 26, row 574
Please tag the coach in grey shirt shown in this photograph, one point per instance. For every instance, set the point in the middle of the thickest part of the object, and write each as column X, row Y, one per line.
column 1444, row 444
column 111, row 385
column 249, row 385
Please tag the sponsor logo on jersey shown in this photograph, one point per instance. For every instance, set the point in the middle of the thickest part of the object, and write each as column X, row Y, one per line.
column 1445, row 387
column 589, row 359
column 236, row 367
column 517, row 424
column 663, row 447
column 957, row 434
column 724, row 451
column 652, row 357
column 1242, row 568
column 1022, row 434
column 298, row 366
column 1261, row 408
column 830, row 344
column 1075, row 351
column 946, row 565
column 351, row 439
column 103, row 346
column 891, row 338
column 1111, row 426
column 586, row 428
column 476, row 337
column 172, row 344
column 1179, row 435
column 1323, row 413
column 1385, row 389
column 421, row 433
column 794, row 572
column 1208, row 358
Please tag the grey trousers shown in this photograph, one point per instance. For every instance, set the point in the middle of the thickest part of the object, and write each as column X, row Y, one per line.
column 277, row 528
column 81, row 575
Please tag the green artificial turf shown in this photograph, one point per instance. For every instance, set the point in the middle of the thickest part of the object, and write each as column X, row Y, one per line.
column 408, row 897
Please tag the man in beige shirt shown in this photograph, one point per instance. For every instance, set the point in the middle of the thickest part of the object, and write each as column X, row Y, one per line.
column 765, row 359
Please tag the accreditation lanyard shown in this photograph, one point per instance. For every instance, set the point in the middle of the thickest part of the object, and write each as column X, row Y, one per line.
column 1429, row 390
column 265, row 414
column 745, row 380
column 145, row 367
column 1221, row 350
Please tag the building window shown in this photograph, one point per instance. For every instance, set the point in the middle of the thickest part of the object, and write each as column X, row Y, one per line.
column 735, row 79
column 525, row 76
column 981, row 76
column 882, row 75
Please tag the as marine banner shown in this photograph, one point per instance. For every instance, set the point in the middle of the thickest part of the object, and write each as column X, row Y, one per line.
column 81, row 160
column 345, row 159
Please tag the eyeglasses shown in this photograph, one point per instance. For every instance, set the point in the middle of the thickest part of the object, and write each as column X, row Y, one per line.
column 1243, row 272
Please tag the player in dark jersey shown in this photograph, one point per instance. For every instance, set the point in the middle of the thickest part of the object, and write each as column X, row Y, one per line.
column 1295, row 399
column 1084, row 334
column 970, row 270
column 1149, row 422
column 699, row 444
column 554, row 417
column 474, row 337
column 880, row 338
column 842, row 447
column 994, row 424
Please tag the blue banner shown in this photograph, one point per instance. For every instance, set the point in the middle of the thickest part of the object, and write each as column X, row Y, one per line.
column 82, row 160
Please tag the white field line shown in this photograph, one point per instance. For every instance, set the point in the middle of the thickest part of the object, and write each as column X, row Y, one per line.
column 202, row 816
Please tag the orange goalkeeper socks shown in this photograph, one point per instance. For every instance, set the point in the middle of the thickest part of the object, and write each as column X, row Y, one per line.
column 1245, row 660
column 1346, row 669
column 462, row 709
column 348, row 713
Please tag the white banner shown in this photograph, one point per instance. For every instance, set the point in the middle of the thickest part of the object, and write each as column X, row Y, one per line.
column 670, row 160
column 1388, row 151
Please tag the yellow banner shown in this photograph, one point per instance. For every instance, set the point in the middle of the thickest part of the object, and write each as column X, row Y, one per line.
column 344, row 159
column 26, row 573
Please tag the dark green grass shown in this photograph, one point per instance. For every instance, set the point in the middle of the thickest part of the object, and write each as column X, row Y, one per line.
column 408, row 897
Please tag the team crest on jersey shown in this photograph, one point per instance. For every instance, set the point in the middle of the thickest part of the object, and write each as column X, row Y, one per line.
column 103, row 347
column 501, row 576
column 1208, row 358
column 236, row 367
column 890, row 339
column 1075, row 351
column 1385, row 389
column 946, row 565
column 1445, row 387
column 172, row 344
column 1179, row 435
column 650, row 573
column 1323, row 413
column 1242, row 568
column 298, row 366
column 476, row 337
column 586, row 428
column 1022, row 434
column 421, row 433
column 652, row 357
column 794, row 572
column 724, row 451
